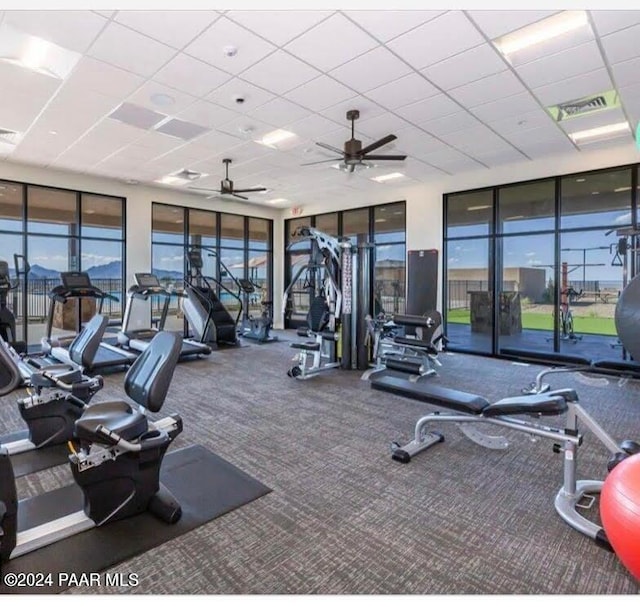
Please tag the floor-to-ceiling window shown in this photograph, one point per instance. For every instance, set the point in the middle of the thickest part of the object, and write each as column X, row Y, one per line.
column 382, row 228
column 58, row 230
column 550, row 258
column 234, row 246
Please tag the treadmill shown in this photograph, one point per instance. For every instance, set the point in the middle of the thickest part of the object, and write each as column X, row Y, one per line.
column 147, row 286
column 77, row 285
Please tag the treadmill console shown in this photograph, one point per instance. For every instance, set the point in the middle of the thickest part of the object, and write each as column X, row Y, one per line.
column 75, row 280
column 147, row 281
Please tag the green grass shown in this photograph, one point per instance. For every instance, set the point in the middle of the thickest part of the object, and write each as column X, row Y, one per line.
column 532, row 320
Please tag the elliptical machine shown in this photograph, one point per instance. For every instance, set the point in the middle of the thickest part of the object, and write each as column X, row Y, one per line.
column 255, row 327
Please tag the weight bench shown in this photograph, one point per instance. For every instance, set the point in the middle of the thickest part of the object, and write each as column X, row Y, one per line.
column 470, row 410
column 413, row 355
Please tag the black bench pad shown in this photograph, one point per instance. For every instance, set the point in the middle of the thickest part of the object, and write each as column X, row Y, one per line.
column 535, row 404
column 309, row 345
column 432, row 394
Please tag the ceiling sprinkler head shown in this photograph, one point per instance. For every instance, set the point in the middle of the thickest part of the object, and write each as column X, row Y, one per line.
column 230, row 50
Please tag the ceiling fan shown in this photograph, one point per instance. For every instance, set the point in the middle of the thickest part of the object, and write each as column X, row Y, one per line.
column 226, row 185
column 354, row 154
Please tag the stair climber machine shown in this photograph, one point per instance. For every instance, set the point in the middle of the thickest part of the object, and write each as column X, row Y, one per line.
column 115, row 459
column 208, row 318
column 255, row 327
column 147, row 286
column 337, row 279
column 77, row 285
column 7, row 316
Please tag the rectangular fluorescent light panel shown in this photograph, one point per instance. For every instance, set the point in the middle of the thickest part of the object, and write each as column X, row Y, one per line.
column 539, row 32
column 36, row 54
column 387, row 177
column 277, row 200
column 601, row 131
column 480, row 207
column 273, row 138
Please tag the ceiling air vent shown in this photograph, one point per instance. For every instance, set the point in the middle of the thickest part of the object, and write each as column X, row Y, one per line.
column 586, row 105
column 188, row 175
column 9, row 136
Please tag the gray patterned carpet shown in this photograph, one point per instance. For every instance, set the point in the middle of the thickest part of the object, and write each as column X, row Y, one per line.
column 343, row 517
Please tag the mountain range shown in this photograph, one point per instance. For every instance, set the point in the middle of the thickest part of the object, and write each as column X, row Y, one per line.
column 112, row 270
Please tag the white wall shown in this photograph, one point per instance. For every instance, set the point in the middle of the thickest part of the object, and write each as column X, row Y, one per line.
column 424, row 201
column 139, row 199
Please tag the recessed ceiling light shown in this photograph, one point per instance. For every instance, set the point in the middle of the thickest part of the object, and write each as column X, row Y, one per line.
column 387, row 177
column 89, row 212
column 245, row 130
column 601, row 131
column 581, row 180
column 171, row 180
column 541, row 31
column 53, row 132
column 380, row 220
column 132, row 182
column 36, row 54
column 277, row 200
column 595, row 193
column 625, row 189
column 276, row 137
column 179, row 220
column 479, row 207
column 162, row 99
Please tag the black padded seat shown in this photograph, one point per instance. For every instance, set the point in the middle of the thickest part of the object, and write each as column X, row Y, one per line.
column 432, row 394
column 117, row 416
column 534, row 404
column 310, row 345
column 63, row 373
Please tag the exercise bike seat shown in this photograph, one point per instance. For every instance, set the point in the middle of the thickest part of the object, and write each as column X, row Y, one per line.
column 116, row 416
column 534, row 404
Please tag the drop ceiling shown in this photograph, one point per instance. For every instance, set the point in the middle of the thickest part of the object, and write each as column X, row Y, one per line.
column 434, row 78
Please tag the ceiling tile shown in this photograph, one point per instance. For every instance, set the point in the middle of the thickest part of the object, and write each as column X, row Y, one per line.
column 499, row 158
column 628, row 93
column 320, row 93
column 136, row 115
column 450, row 124
column 495, row 23
column 381, row 125
column 560, row 66
column 331, row 43
column 129, row 50
column 545, row 149
column 488, row 89
column 207, row 114
column 226, row 95
column 144, row 96
column 279, row 27
column 451, row 161
column 403, row 91
column 607, row 22
column 627, row 73
column 280, row 72
column 93, row 75
column 175, row 28
column 574, row 88
column 371, row 70
column 314, row 126
column 191, row 75
column 513, row 105
column 622, row 45
column 74, row 30
column 279, row 112
column 245, row 128
column 338, row 112
column 216, row 141
column 210, row 44
column 387, row 24
column 181, row 129
column 591, row 121
column 445, row 36
column 468, row 66
column 474, row 139
column 532, row 133
column 521, row 122
column 429, row 109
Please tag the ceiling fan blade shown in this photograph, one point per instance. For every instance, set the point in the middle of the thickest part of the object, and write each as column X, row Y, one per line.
column 385, row 157
column 377, row 144
column 204, row 189
column 306, row 164
column 238, row 195
column 326, row 146
column 251, row 190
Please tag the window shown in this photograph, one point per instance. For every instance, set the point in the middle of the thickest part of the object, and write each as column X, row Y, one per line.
column 596, row 199
column 11, row 206
column 327, row 223
column 167, row 224
column 469, row 214
column 101, row 216
column 355, row 225
column 52, row 211
column 527, row 208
